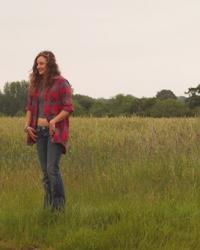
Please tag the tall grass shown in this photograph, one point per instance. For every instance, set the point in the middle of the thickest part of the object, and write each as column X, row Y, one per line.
column 131, row 183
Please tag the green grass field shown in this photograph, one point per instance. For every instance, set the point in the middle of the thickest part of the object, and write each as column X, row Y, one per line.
column 131, row 183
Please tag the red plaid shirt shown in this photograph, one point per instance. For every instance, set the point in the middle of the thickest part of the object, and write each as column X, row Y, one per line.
column 56, row 99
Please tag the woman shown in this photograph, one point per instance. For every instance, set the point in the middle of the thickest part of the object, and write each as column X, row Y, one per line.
column 49, row 104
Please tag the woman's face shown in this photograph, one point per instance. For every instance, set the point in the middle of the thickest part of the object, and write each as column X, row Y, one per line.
column 41, row 65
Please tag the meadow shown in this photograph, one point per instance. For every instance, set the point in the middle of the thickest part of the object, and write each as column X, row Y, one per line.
column 131, row 183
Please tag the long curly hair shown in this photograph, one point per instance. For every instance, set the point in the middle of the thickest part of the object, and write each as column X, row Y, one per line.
column 52, row 70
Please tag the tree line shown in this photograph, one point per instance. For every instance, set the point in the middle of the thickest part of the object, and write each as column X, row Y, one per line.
column 164, row 104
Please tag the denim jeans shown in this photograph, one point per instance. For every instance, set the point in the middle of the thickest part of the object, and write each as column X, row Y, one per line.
column 49, row 155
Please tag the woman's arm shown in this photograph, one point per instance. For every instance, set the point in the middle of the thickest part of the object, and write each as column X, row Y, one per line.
column 52, row 123
column 28, row 109
column 28, row 118
column 62, row 115
column 65, row 93
column 31, row 131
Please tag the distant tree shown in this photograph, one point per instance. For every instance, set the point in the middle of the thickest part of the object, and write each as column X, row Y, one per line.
column 19, row 113
column 168, row 108
column 122, row 105
column 84, row 101
column 78, row 109
column 195, row 111
column 165, row 104
column 182, row 98
column 1, row 101
column 100, row 108
column 165, row 94
column 144, row 105
column 193, row 91
column 14, row 97
column 194, row 97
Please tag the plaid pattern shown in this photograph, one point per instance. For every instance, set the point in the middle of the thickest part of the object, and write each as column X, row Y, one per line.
column 58, row 98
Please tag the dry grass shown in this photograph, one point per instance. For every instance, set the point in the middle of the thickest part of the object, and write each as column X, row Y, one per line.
column 131, row 183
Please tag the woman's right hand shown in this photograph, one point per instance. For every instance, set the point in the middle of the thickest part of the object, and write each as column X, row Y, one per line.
column 32, row 132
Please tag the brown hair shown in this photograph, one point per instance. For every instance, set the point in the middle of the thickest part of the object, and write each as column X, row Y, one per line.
column 52, row 71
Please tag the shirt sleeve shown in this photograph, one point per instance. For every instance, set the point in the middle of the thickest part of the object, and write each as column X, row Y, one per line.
column 28, row 102
column 66, row 96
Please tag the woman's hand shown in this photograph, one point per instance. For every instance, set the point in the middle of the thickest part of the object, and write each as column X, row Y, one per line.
column 52, row 127
column 31, row 131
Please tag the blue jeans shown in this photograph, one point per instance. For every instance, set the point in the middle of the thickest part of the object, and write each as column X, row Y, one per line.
column 49, row 155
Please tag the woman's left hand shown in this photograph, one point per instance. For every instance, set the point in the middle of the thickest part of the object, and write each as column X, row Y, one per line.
column 52, row 127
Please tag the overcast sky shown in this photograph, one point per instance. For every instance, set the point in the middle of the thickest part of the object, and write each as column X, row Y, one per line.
column 105, row 47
